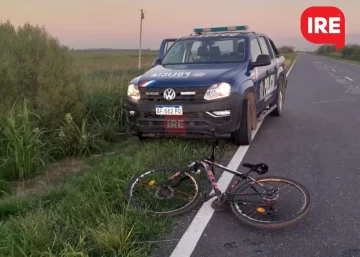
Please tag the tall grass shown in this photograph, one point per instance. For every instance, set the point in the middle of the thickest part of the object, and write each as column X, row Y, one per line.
column 22, row 144
column 81, row 113
column 80, row 140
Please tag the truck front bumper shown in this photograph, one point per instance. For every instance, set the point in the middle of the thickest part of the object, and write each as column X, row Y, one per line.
column 197, row 118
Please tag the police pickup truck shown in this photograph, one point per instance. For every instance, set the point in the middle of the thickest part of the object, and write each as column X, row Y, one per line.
column 226, row 78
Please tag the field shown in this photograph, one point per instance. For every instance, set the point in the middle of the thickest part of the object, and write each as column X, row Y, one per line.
column 65, row 155
column 349, row 53
column 338, row 56
column 112, row 60
column 126, row 60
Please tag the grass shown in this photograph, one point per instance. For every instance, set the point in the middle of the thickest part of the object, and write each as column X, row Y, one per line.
column 350, row 53
column 112, row 60
column 23, row 145
column 87, row 213
column 289, row 59
column 338, row 56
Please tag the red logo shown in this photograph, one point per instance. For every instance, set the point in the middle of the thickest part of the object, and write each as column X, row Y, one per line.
column 175, row 124
column 324, row 25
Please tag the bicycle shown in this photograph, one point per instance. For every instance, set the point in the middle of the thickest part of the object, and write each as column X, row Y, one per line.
column 268, row 194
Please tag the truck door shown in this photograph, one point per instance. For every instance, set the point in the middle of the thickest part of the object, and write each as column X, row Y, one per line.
column 270, row 86
column 261, row 75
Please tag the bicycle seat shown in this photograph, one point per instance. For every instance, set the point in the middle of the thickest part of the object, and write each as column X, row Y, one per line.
column 260, row 168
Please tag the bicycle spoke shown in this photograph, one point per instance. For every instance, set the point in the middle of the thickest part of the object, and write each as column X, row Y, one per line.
column 176, row 192
column 268, row 209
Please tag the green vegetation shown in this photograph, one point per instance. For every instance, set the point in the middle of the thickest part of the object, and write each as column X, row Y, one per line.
column 48, row 109
column 87, row 214
column 61, row 113
column 349, row 53
column 111, row 60
column 289, row 53
column 286, row 49
column 289, row 59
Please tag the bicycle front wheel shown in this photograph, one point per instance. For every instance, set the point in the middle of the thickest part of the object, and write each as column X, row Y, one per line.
column 164, row 190
column 259, row 208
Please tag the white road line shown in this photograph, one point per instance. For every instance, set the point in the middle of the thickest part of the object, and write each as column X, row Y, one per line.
column 329, row 101
column 333, row 70
column 292, row 65
column 349, row 78
column 192, row 235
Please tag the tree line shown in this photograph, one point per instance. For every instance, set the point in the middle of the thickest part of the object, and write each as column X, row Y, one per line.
column 349, row 51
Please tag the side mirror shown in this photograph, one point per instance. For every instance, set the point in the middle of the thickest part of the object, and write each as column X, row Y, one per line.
column 262, row 60
column 156, row 62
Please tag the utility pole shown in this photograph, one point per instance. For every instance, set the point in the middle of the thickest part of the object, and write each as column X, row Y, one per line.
column 142, row 17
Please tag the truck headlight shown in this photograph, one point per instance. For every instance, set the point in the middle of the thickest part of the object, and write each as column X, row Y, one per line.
column 218, row 91
column 133, row 92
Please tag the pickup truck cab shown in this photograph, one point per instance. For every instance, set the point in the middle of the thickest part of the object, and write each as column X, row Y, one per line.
column 223, row 78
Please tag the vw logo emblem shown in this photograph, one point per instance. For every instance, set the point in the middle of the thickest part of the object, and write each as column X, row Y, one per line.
column 169, row 94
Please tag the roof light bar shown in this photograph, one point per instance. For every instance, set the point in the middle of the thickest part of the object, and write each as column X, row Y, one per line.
column 219, row 29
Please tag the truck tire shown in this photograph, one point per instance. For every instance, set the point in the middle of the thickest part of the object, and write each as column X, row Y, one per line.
column 279, row 100
column 242, row 136
column 141, row 137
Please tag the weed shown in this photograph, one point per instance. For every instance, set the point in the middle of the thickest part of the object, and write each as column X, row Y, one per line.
column 80, row 140
column 22, row 143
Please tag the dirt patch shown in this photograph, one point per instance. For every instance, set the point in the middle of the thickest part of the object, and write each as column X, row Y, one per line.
column 54, row 173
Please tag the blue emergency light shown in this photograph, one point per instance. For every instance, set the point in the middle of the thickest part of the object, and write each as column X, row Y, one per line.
column 219, row 29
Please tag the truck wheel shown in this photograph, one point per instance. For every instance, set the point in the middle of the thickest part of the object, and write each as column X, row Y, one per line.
column 242, row 136
column 141, row 137
column 279, row 101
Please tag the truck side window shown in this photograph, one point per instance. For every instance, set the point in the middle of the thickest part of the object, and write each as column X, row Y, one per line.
column 255, row 49
column 175, row 55
column 274, row 48
column 167, row 46
column 264, row 47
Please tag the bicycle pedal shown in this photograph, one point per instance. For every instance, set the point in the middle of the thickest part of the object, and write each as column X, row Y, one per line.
column 219, row 205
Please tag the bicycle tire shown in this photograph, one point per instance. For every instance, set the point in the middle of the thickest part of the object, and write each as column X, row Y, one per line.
column 275, row 225
column 174, row 169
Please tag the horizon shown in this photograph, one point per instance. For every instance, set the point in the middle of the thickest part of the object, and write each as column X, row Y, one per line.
column 113, row 25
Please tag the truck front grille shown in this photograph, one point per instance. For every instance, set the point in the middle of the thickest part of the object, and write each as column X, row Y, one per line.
column 183, row 94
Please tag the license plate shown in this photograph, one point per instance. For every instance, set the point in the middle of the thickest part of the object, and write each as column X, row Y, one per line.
column 169, row 110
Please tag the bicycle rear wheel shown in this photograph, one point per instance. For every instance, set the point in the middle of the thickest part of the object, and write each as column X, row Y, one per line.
column 257, row 208
column 177, row 192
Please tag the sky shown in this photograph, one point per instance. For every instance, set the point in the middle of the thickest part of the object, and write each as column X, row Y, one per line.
column 116, row 23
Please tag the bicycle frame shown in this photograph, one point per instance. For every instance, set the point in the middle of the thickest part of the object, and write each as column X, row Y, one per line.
column 208, row 165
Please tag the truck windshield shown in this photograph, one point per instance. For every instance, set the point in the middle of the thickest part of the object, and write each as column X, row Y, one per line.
column 206, row 50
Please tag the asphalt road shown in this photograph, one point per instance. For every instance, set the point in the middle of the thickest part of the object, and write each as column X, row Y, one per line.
column 316, row 142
